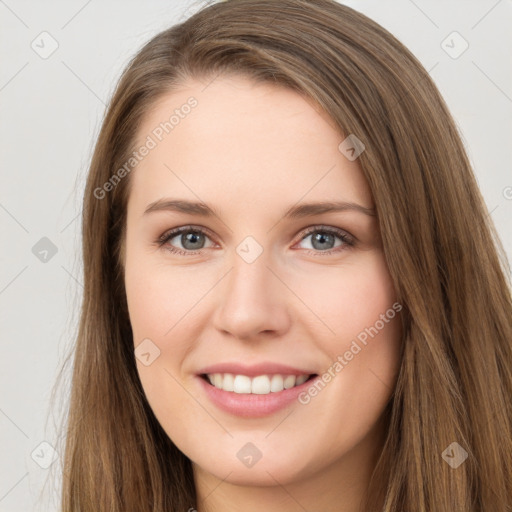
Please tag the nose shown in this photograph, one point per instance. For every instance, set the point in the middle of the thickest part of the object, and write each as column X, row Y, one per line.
column 252, row 302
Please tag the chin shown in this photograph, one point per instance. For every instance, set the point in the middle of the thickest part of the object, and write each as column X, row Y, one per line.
column 267, row 471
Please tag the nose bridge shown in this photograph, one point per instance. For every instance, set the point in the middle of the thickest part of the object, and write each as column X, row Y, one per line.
column 250, row 274
column 252, row 299
column 249, row 284
column 250, row 278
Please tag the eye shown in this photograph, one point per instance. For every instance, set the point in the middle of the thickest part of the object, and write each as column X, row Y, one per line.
column 323, row 240
column 191, row 240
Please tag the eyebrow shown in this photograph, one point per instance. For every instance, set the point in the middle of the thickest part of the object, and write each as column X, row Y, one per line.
column 294, row 212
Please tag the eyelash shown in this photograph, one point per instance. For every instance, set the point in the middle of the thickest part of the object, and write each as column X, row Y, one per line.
column 348, row 240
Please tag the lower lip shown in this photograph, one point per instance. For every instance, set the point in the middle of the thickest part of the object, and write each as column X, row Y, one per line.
column 250, row 405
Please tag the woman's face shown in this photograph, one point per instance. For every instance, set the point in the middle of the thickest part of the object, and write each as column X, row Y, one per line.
column 262, row 294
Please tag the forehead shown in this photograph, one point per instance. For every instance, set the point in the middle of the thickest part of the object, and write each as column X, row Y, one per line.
column 236, row 139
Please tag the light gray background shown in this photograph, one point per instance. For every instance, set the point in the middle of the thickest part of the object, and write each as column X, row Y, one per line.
column 51, row 111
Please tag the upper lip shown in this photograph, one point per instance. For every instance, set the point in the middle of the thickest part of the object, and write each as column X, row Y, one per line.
column 263, row 368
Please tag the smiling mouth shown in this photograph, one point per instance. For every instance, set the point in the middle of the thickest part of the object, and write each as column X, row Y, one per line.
column 258, row 385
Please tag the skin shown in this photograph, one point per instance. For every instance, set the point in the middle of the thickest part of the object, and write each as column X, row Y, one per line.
column 252, row 151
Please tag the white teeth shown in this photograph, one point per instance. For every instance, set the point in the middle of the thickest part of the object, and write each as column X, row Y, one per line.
column 289, row 381
column 301, row 379
column 228, row 382
column 276, row 384
column 241, row 384
column 217, row 380
column 259, row 385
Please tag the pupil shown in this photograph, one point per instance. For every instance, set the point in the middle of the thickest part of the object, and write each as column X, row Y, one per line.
column 321, row 238
column 191, row 238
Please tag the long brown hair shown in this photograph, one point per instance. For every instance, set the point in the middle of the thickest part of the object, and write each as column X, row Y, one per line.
column 444, row 256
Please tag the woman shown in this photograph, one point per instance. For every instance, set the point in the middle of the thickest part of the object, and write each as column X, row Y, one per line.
column 258, row 367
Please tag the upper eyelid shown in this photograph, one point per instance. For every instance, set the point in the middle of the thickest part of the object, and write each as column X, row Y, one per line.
column 171, row 233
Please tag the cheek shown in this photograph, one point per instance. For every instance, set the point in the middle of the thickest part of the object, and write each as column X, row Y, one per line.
column 361, row 331
column 159, row 298
column 369, row 307
column 160, row 308
column 349, row 300
column 148, row 306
